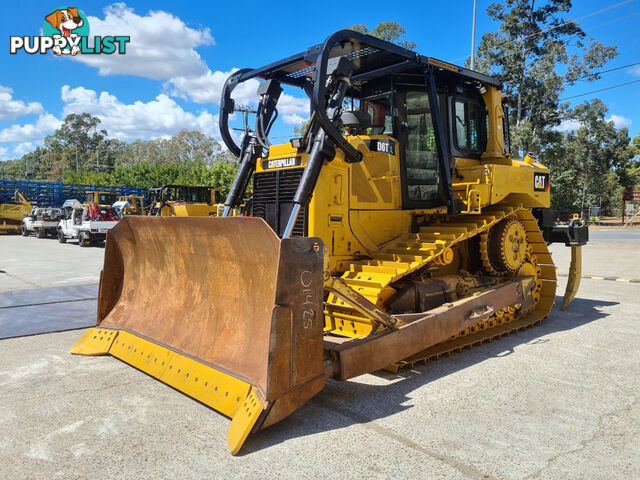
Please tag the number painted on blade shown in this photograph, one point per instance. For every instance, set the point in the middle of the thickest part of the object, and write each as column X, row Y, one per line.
column 308, row 314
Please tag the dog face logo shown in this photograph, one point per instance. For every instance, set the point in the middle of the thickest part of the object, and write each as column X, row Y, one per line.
column 67, row 22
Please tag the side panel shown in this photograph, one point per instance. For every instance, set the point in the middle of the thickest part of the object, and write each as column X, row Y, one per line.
column 374, row 183
column 518, row 182
column 525, row 185
column 357, row 207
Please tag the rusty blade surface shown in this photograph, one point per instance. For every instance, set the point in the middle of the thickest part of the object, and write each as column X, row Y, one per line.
column 201, row 286
column 226, row 292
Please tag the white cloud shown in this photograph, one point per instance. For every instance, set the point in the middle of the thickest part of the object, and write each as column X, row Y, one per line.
column 635, row 71
column 571, row 125
column 568, row 125
column 619, row 121
column 161, row 44
column 139, row 120
column 10, row 108
column 45, row 124
column 158, row 118
column 22, row 148
column 291, row 104
column 207, row 88
column 3, row 153
column 293, row 119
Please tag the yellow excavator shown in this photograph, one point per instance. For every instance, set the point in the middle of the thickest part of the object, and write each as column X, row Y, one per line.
column 184, row 201
column 398, row 228
column 12, row 214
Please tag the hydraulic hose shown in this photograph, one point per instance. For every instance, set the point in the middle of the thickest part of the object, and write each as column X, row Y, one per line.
column 249, row 155
column 322, row 149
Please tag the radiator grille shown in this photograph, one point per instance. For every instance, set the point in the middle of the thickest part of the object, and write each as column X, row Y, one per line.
column 273, row 194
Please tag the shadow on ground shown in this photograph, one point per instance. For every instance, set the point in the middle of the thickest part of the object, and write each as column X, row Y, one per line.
column 378, row 401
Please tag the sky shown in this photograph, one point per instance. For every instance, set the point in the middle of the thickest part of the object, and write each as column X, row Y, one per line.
column 180, row 54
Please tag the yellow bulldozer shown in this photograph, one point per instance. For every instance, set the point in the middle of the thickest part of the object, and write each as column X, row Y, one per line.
column 184, row 201
column 398, row 228
column 12, row 213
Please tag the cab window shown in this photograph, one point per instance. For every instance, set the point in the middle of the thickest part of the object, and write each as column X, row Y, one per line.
column 106, row 198
column 470, row 125
column 379, row 108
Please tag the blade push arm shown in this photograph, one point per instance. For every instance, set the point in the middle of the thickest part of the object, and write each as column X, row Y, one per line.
column 253, row 142
column 323, row 145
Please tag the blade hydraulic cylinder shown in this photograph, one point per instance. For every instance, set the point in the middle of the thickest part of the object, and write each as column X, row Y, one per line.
column 323, row 147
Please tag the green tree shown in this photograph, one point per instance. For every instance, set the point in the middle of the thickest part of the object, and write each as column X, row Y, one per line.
column 188, row 157
column 191, row 145
column 91, row 178
column 634, row 169
column 591, row 165
column 13, row 170
column 78, row 133
column 301, row 129
column 184, row 146
column 104, row 156
column 530, row 53
column 390, row 31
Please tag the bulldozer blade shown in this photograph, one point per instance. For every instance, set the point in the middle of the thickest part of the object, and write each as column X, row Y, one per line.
column 218, row 308
column 575, row 274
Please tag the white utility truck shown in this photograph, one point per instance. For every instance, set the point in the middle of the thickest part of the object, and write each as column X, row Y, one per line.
column 42, row 221
column 88, row 225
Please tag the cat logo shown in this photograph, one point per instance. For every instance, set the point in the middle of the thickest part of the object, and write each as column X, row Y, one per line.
column 541, row 182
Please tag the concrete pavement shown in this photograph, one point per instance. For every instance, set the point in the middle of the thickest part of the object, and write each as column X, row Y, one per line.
column 558, row 401
column 30, row 262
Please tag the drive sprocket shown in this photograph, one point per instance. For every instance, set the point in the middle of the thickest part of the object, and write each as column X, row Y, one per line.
column 503, row 248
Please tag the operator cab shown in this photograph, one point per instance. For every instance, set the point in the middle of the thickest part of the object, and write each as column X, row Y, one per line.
column 403, row 112
column 431, row 116
column 101, row 198
column 181, row 193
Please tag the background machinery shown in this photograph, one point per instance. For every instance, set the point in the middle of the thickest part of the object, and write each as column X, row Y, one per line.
column 41, row 221
column 12, row 212
column 184, row 201
column 88, row 224
column 130, row 205
column 398, row 228
column 102, row 199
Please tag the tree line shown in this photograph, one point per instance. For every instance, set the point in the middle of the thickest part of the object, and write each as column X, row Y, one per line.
column 536, row 51
column 81, row 152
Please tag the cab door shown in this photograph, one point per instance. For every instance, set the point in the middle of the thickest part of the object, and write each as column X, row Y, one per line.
column 419, row 157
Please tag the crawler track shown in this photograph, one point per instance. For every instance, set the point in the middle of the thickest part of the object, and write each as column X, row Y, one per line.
column 373, row 279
